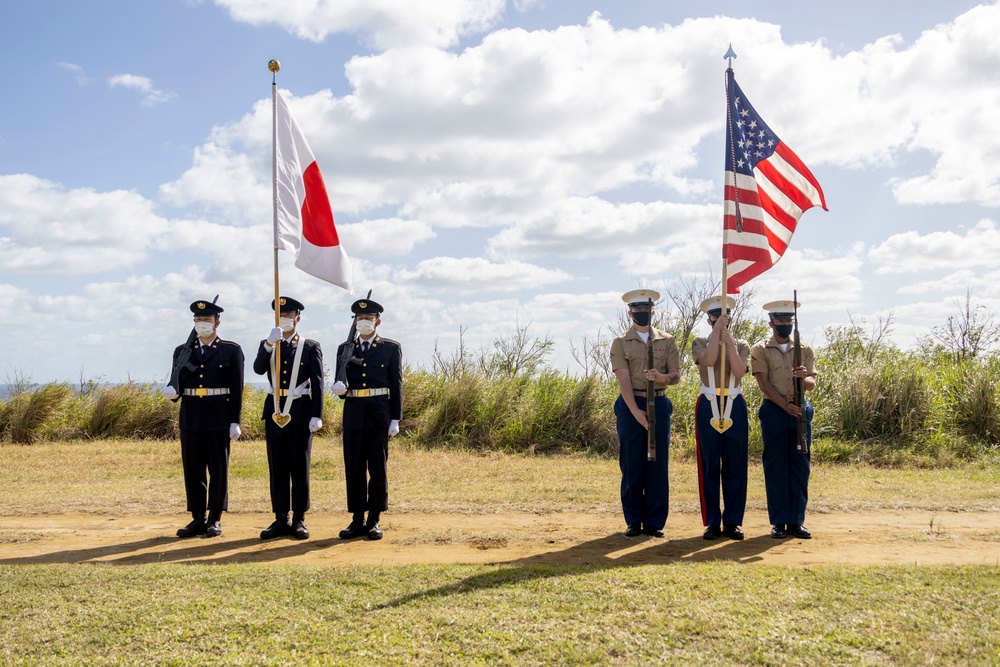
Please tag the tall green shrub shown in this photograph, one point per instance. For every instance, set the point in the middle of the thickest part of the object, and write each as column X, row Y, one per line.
column 25, row 414
column 973, row 408
column 890, row 398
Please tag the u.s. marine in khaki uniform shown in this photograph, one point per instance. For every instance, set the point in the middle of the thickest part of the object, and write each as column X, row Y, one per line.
column 645, row 487
column 721, row 423
column 786, row 469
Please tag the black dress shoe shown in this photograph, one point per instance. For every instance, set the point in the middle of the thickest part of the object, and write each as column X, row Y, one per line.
column 374, row 532
column 213, row 529
column 299, row 530
column 633, row 531
column 778, row 531
column 652, row 532
column 356, row 529
column 733, row 532
column 196, row 527
column 276, row 529
column 795, row 530
column 712, row 532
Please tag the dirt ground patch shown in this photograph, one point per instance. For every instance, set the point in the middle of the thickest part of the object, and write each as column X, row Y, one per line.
column 869, row 538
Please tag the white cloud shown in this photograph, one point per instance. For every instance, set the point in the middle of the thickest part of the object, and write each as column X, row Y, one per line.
column 471, row 274
column 950, row 283
column 483, row 137
column 825, row 282
column 48, row 229
column 151, row 96
column 386, row 23
column 583, row 142
column 387, row 237
column 81, row 77
column 229, row 183
column 527, row 121
column 588, row 227
column 912, row 251
column 873, row 106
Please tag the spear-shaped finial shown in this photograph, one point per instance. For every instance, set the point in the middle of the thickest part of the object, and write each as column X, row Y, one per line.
column 730, row 54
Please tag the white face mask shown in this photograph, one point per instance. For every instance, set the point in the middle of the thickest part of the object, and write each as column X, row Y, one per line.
column 204, row 329
column 366, row 327
column 286, row 324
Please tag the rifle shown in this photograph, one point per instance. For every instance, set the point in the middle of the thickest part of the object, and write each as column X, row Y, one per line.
column 802, row 444
column 650, row 401
column 347, row 352
column 184, row 358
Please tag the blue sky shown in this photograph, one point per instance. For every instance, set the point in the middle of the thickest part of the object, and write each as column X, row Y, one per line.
column 489, row 163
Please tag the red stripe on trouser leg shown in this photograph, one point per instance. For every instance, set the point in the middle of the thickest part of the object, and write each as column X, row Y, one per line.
column 701, row 472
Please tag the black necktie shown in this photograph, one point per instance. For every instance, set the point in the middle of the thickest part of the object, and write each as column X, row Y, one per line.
column 364, row 347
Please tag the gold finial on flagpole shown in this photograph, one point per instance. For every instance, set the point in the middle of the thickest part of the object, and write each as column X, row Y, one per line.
column 273, row 66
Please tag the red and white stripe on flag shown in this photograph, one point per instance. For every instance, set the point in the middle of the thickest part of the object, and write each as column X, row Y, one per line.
column 767, row 190
column 771, row 203
column 304, row 219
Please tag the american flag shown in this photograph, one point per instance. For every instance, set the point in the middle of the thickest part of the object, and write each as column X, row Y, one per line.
column 768, row 188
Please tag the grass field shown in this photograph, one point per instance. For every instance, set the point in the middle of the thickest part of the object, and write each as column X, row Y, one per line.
column 515, row 613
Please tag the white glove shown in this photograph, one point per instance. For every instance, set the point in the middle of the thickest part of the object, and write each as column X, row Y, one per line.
column 315, row 424
column 169, row 393
column 235, row 432
column 274, row 336
column 393, row 427
column 339, row 388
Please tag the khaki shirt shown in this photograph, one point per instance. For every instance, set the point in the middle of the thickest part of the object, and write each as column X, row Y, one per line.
column 628, row 351
column 777, row 366
column 701, row 344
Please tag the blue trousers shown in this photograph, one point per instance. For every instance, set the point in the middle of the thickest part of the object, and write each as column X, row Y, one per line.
column 722, row 457
column 786, row 470
column 645, row 484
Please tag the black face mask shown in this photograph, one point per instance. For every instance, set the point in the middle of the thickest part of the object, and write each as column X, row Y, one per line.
column 642, row 317
column 783, row 330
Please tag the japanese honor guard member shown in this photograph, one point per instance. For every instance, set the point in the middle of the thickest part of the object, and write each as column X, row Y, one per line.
column 291, row 417
column 209, row 384
column 645, row 486
column 721, row 423
column 786, row 453
column 373, row 406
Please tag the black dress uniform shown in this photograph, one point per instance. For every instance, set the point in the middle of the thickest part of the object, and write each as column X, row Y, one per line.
column 374, row 399
column 211, row 398
column 289, row 448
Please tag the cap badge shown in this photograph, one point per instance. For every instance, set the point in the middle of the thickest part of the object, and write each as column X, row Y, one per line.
column 282, row 301
column 362, row 304
column 201, row 305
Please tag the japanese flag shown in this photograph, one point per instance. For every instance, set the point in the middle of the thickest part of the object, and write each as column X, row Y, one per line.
column 303, row 217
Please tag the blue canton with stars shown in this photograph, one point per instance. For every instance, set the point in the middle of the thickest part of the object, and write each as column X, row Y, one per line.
column 754, row 139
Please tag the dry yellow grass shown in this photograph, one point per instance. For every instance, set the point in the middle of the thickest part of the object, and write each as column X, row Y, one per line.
column 144, row 477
